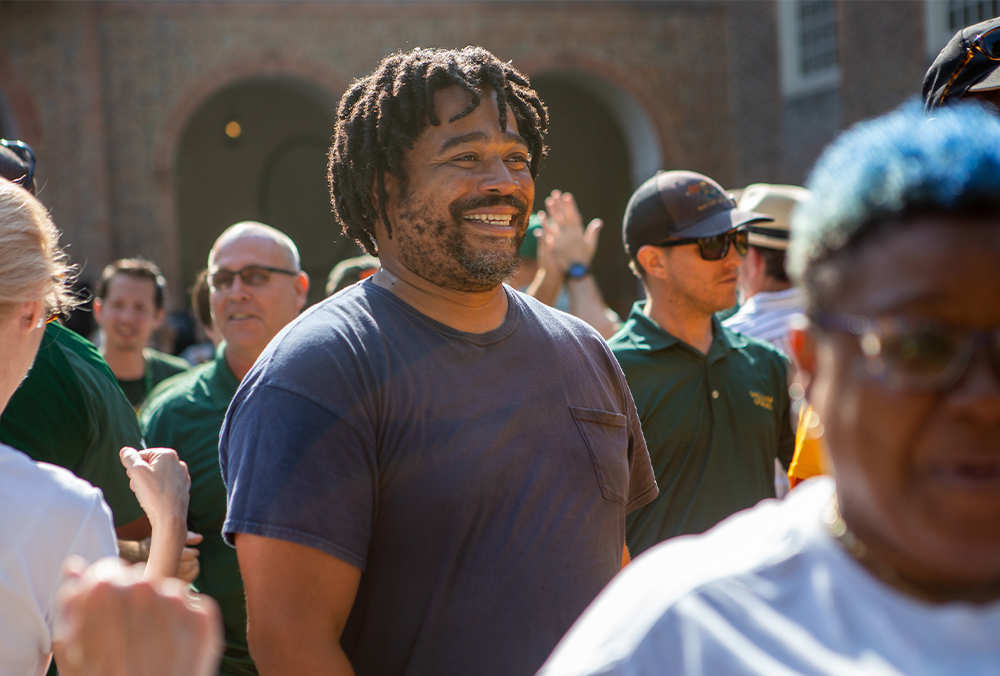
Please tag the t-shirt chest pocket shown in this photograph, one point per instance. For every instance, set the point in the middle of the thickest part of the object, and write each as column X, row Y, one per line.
column 606, row 435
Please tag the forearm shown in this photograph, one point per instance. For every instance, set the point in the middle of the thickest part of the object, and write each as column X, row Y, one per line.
column 166, row 546
column 587, row 303
column 294, row 659
column 545, row 287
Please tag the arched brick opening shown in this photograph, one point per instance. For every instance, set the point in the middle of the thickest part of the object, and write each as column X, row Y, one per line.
column 603, row 144
column 317, row 85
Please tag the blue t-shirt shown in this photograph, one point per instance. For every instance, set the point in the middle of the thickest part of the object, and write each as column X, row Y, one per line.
column 480, row 481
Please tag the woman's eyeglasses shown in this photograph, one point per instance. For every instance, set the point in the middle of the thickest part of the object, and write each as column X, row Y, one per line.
column 715, row 248
column 988, row 44
column 251, row 275
column 913, row 355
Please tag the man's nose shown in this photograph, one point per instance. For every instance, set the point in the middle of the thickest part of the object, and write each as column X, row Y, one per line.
column 498, row 179
column 238, row 289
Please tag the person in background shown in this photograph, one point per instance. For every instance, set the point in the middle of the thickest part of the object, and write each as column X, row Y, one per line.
column 714, row 404
column 968, row 68
column 129, row 308
column 256, row 287
column 892, row 564
column 70, row 412
column 769, row 298
column 201, row 307
column 48, row 514
column 350, row 271
column 565, row 251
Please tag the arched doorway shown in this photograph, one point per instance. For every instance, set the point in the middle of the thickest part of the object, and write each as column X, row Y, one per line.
column 601, row 147
column 256, row 150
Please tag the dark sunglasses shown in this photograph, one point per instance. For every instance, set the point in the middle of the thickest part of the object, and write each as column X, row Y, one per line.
column 988, row 44
column 26, row 155
column 715, row 248
column 914, row 355
column 251, row 275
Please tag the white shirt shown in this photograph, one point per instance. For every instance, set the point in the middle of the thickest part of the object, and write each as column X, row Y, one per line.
column 770, row 592
column 765, row 315
column 46, row 514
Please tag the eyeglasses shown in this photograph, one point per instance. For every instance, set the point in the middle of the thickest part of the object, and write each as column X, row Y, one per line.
column 715, row 248
column 251, row 275
column 913, row 355
column 988, row 44
column 26, row 155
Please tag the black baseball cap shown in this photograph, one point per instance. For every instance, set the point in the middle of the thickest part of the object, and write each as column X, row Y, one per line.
column 980, row 73
column 680, row 204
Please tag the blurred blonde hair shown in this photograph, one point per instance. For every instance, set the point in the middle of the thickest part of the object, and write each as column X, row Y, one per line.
column 32, row 265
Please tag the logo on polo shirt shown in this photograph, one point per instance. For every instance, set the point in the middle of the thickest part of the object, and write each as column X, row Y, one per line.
column 762, row 400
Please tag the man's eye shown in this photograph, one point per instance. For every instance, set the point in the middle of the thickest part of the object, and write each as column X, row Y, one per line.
column 517, row 159
column 256, row 277
column 469, row 157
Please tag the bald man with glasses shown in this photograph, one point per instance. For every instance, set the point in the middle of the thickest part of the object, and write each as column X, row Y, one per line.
column 713, row 403
column 256, row 287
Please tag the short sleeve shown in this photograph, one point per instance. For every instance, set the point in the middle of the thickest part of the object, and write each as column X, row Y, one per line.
column 642, row 487
column 114, row 425
column 297, row 471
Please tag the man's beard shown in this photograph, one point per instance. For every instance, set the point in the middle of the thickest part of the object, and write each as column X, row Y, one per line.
column 439, row 250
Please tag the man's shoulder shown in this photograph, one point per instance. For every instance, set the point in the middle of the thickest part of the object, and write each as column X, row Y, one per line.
column 165, row 363
column 186, row 389
column 757, row 348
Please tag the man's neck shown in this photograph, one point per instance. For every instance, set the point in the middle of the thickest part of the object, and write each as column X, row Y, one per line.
column 684, row 323
column 125, row 364
column 767, row 285
column 238, row 362
column 467, row 311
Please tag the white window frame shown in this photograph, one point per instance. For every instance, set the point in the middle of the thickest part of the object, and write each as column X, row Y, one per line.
column 793, row 81
column 937, row 32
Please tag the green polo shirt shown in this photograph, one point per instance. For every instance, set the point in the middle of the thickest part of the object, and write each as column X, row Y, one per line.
column 70, row 412
column 185, row 413
column 159, row 367
column 713, row 424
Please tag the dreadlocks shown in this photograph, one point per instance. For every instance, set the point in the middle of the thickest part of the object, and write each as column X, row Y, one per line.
column 384, row 113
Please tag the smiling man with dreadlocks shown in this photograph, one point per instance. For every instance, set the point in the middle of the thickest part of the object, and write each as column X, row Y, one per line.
column 429, row 472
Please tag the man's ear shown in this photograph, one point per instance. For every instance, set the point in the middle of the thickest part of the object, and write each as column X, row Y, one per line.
column 803, row 344
column 98, row 310
column 653, row 261
column 158, row 316
column 301, row 290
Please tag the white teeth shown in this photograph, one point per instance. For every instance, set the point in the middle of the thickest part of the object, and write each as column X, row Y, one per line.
column 492, row 219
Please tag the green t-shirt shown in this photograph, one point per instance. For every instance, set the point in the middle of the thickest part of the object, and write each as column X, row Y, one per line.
column 185, row 413
column 159, row 367
column 713, row 425
column 70, row 412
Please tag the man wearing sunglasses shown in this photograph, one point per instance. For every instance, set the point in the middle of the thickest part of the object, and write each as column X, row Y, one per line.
column 713, row 403
column 256, row 287
column 967, row 68
column 892, row 565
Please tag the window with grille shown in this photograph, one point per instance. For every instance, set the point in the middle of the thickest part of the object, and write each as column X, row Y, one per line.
column 808, row 30
column 944, row 18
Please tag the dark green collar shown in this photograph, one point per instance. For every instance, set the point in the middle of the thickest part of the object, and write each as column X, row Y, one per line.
column 645, row 334
column 222, row 384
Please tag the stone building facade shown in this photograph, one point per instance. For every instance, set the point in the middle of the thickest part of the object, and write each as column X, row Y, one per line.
column 126, row 104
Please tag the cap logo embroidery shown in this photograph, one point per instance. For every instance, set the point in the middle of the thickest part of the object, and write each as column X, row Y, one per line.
column 762, row 400
column 708, row 191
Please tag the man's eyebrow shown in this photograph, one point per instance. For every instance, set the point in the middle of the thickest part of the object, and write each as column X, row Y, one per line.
column 480, row 137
